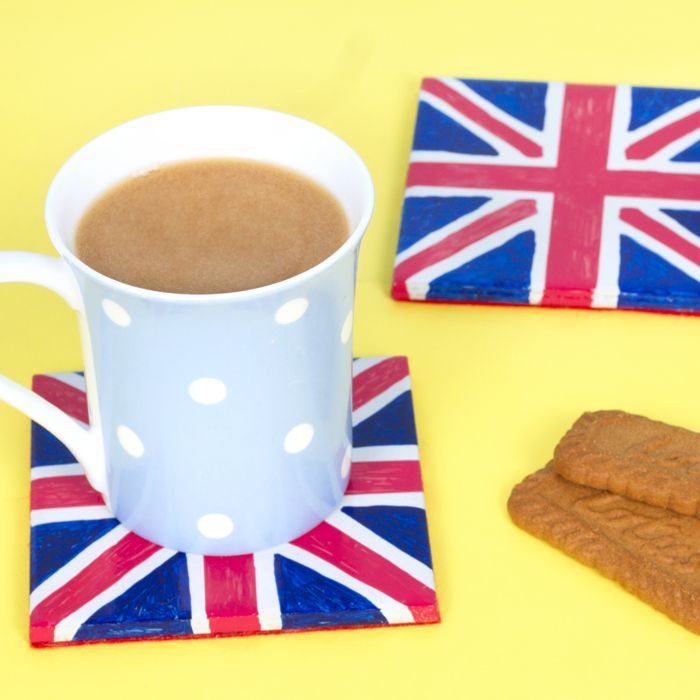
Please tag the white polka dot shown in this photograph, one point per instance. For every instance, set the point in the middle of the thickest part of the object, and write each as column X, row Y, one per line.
column 292, row 311
column 207, row 390
column 299, row 438
column 130, row 441
column 347, row 328
column 215, row 525
column 347, row 462
column 116, row 313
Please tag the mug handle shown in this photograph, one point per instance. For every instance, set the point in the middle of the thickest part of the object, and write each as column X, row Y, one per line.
column 84, row 443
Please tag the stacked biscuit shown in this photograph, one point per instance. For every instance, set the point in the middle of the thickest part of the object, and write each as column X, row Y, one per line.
column 622, row 494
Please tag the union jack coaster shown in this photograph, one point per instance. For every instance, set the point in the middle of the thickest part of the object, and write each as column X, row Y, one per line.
column 553, row 194
column 368, row 564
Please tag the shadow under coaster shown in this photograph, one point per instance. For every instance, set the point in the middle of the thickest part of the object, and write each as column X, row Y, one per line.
column 368, row 564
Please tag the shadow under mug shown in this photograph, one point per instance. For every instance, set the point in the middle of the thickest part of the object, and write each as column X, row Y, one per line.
column 220, row 424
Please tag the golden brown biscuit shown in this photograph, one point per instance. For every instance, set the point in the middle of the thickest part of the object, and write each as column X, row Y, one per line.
column 653, row 552
column 633, row 456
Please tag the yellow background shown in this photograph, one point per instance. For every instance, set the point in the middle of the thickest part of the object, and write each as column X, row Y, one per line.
column 494, row 388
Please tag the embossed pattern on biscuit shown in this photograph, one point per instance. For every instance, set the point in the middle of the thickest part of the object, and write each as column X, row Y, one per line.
column 633, row 456
column 652, row 552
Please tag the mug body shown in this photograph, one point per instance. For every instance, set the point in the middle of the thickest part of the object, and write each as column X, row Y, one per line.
column 225, row 418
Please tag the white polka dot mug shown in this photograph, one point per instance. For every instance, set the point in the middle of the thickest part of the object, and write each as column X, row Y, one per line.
column 219, row 423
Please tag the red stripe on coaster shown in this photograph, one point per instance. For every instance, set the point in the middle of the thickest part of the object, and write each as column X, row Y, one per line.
column 231, row 599
column 469, row 234
column 95, row 578
column 481, row 117
column 661, row 233
column 64, row 492
column 360, row 562
column 73, row 401
column 376, row 379
column 384, row 477
column 654, row 142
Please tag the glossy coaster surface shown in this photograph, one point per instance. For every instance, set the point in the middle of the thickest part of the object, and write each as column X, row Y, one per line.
column 368, row 564
column 553, row 194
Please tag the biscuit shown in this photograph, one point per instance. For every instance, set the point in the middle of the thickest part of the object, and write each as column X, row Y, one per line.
column 652, row 552
column 632, row 456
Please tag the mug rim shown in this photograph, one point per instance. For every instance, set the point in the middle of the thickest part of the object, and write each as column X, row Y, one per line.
column 349, row 244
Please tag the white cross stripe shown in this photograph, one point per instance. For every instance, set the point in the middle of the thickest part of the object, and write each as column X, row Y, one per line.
column 606, row 293
column 195, row 575
column 53, row 470
column 45, row 516
column 269, row 612
column 411, row 499
column 385, row 453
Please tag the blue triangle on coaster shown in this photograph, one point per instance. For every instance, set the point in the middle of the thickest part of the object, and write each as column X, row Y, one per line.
column 636, row 291
column 306, row 597
column 403, row 526
column 524, row 101
column 47, row 449
column 158, row 605
column 688, row 155
column 438, row 132
column 392, row 425
column 60, row 542
column 500, row 275
column 423, row 215
column 648, row 103
column 689, row 219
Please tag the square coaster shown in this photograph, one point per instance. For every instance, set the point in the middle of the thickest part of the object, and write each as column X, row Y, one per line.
column 553, row 194
column 368, row 564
